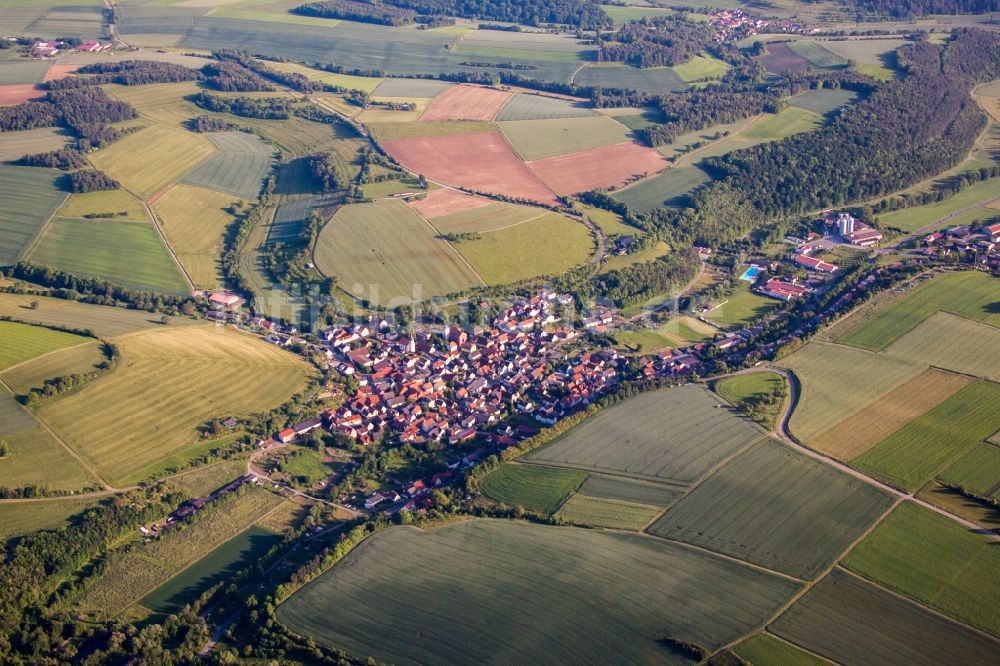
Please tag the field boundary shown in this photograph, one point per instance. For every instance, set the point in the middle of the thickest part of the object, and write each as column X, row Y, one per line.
column 45, row 226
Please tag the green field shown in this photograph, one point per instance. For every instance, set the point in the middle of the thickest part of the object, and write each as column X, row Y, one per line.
column 307, row 467
column 701, row 67
column 872, row 56
column 793, row 120
column 21, row 71
column 978, row 471
column 523, row 106
column 946, row 341
column 238, row 168
column 776, row 508
column 838, row 381
column 672, row 435
column 22, row 342
column 686, row 142
column 609, row 513
column 654, row 80
column 823, row 100
column 919, row 217
column 20, row 518
column 30, row 196
column 936, row 561
column 76, row 359
column 913, row 454
column 363, row 83
column 851, row 622
column 411, row 88
column 610, row 223
column 194, row 221
column 548, row 245
column 538, row 139
column 396, row 131
column 200, row 481
column 232, row 556
column 968, row 294
column 102, row 202
column 104, row 321
column 538, row 489
column 486, row 218
column 667, row 188
column 739, row 307
column 170, row 381
column 127, row 253
column 384, row 251
column 766, row 650
column 817, row 55
column 629, row 490
column 744, row 389
column 387, row 188
column 517, row 592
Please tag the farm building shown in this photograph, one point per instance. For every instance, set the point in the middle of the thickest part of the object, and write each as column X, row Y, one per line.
column 864, row 236
column 813, row 264
column 784, row 291
column 224, row 301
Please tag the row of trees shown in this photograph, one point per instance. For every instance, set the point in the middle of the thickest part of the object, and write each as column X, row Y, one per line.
column 64, row 158
column 126, row 73
column 351, row 10
column 266, row 108
column 86, row 111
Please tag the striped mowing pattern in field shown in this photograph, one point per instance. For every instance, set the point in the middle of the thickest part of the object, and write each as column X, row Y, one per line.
column 30, row 195
column 669, row 188
column 440, row 594
column 817, row 55
column 823, row 100
column 851, row 622
column 162, row 103
column 538, row 489
column 609, row 513
column 910, row 457
column 672, row 435
column 16, row 519
column 171, row 380
column 776, row 508
column 78, row 359
column 238, row 168
column 104, row 321
column 103, row 202
column 655, row 80
column 936, row 561
column 630, row 490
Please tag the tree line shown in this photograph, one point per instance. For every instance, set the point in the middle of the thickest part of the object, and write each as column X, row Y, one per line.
column 86, row 111
column 265, row 108
column 351, row 10
column 126, row 73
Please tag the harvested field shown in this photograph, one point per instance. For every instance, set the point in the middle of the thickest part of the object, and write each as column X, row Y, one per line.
column 824, row 100
column 539, row 139
column 550, row 244
column 298, row 136
column 466, row 102
column 482, row 570
column 59, row 72
column 817, row 55
column 538, row 489
column 37, row 459
column 608, row 513
column 610, row 166
column 978, row 471
column 776, row 508
column 447, row 202
column 390, row 131
column 838, row 382
column 629, row 490
column 956, row 503
column 653, row 80
column 666, row 189
column 17, row 519
column 428, row 88
column 160, row 103
column 104, row 321
column 383, row 251
column 479, row 161
column 126, row 253
column 913, row 454
column 104, row 202
column 492, row 217
column 866, row 428
column 15, row 145
column 77, row 359
column 849, row 621
column 780, row 58
column 195, row 220
column 148, row 160
column 524, row 106
column 967, row 294
column 946, row 341
column 671, row 435
column 936, row 561
column 22, row 342
column 18, row 93
column 30, row 196
column 765, row 649
column 170, row 381
column 238, row 168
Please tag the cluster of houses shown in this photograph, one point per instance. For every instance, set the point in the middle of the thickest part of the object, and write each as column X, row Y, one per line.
column 982, row 240
column 734, row 24
column 54, row 47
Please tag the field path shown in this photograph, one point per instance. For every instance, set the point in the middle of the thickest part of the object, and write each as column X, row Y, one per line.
column 159, row 232
column 48, row 353
column 258, row 472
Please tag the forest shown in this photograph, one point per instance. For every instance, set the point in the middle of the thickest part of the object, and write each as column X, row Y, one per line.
column 663, row 41
column 91, row 180
column 87, row 112
column 230, row 76
column 577, row 13
column 351, row 10
column 911, row 8
column 126, row 73
column 274, row 108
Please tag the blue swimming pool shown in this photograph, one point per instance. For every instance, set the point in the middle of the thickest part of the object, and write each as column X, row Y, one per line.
column 751, row 274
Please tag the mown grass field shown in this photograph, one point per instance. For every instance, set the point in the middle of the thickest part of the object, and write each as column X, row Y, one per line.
column 75, row 359
column 103, row 202
column 127, row 253
column 383, row 251
column 629, row 490
column 616, row 262
column 668, row 188
column 743, row 388
column 838, row 381
column 851, row 622
column 194, row 220
column 170, row 381
column 105, row 322
column 766, row 650
column 538, row 489
column 610, row 223
column 610, row 513
column 395, row 131
column 30, row 196
column 978, row 471
column 968, row 294
column 487, row 218
column 427, row 88
column 547, row 245
column 298, row 136
column 910, row 457
column 224, row 561
column 687, row 141
column 701, row 67
column 918, row 217
column 872, row 56
column 869, row 426
column 14, row 145
column 523, row 106
column 146, row 161
column 776, row 508
column 21, row 518
column 132, row 576
column 936, row 561
column 739, row 307
column 538, row 139
column 672, row 435
column 793, row 120
column 823, row 100
column 238, row 168
column 22, row 342
column 946, row 341
column 443, row 591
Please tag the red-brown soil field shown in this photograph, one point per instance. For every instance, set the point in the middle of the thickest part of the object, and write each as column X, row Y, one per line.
column 466, row 103
column 445, row 201
column 15, row 94
column 609, row 166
